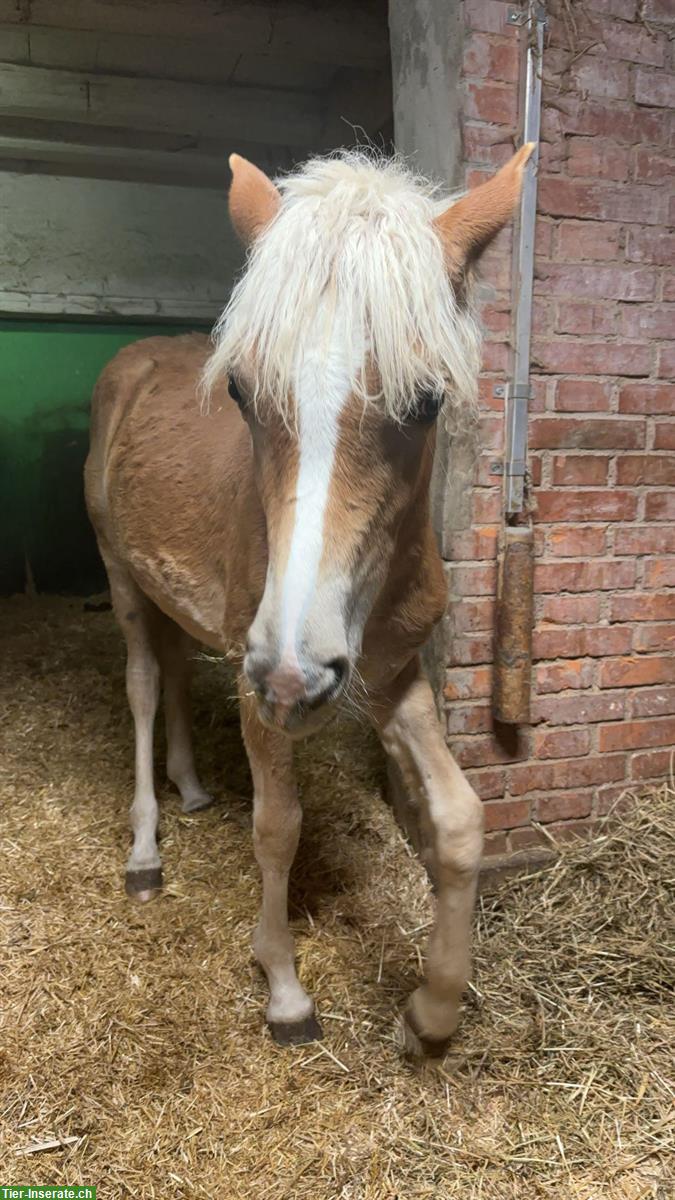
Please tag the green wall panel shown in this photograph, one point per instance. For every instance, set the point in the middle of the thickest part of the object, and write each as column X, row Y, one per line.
column 47, row 374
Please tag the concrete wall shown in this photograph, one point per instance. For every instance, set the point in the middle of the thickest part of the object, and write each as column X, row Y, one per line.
column 97, row 246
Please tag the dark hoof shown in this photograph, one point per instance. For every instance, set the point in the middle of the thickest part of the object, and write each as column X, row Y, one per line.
column 143, row 885
column 296, row 1033
column 194, row 803
column 418, row 1045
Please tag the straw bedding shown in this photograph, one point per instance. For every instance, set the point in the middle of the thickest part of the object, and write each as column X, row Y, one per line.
column 132, row 1045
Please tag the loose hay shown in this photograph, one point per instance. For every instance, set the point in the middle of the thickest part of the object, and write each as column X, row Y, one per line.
column 133, row 1053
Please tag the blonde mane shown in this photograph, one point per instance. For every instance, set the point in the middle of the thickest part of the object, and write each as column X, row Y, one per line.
column 357, row 232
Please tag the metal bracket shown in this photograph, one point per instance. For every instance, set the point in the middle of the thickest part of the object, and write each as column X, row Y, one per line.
column 521, row 16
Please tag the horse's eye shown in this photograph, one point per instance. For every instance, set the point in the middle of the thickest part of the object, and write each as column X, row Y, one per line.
column 427, row 407
column 234, row 391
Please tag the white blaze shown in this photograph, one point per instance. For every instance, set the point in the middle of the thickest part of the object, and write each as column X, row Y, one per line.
column 322, row 388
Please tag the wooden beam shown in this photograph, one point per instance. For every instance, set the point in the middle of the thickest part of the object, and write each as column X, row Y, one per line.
column 333, row 31
column 203, row 110
column 187, row 167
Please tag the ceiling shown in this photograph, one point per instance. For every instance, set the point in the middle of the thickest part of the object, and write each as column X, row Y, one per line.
column 164, row 90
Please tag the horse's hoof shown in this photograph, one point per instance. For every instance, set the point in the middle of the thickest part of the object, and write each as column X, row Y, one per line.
column 419, row 1045
column 143, row 885
column 296, row 1033
column 194, row 803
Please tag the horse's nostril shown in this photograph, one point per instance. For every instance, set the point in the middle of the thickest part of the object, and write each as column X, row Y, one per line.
column 339, row 668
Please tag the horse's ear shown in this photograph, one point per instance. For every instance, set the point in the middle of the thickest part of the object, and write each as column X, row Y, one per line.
column 468, row 226
column 253, row 199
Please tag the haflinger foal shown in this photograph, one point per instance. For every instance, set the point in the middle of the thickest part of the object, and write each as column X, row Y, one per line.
column 269, row 497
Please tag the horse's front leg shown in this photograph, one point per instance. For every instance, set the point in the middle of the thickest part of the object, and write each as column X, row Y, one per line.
column 277, row 817
column 408, row 725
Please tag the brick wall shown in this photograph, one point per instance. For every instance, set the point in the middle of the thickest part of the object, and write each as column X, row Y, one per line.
column 602, row 427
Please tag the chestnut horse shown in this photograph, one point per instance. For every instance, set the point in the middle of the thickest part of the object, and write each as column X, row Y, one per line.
column 271, row 500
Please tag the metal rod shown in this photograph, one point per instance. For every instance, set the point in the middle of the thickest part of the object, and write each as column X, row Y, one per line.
column 518, row 392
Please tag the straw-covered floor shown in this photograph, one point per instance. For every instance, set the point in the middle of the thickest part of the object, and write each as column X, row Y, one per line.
column 132, row 1045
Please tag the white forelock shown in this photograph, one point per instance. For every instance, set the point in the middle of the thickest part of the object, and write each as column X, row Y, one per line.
column 356, row 233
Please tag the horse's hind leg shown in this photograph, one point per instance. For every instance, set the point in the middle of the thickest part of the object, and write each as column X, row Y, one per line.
column 140, row 624
column 180, row 766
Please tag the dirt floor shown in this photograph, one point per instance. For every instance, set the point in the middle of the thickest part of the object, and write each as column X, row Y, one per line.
column 133, row 1053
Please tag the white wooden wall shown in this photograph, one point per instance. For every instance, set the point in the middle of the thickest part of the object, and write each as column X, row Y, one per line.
column 76, row 246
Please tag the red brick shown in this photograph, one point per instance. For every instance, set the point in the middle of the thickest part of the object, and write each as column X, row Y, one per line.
column 472, row 580
column 655, row 637
column 636, row 44
column 664, row 436
column 486, row 506
column 586, row 433
column 463, row 683
column 593, row 642
column 656, row 88
column 660, row 506
column 492, row 102
column 643, row 606
column 576, row 317
column 597, row 158
column 575, row 541
column 592, row 117
column 469, row 718
column 570, row 610
column 653, row 702
column 524, row 840
column 626, row 9
column 575, row 773
column 486, row 15
column 574, row 357
column 564, row 806
column 559, row 677
column 485, row 750
column 656, row 470
column 505, row 814
column 645, row 539
column 561, row 743
column 586, row 707
column 601, row 77
column 474, row 544
column 608, row 505
column 635, row 671
column 571, row 576
column 582, row 395
column 666, row 361
column 471, row 616
column 489, row 784
column 572, row 470
column 486, row 145
column 652, row 167
column 581, row 240
column 468, row 650
column 495, row 845
column 658, row 10
column 642, row 321
column 659, row 573
column 649, row 398
column 655, row 246
column 613, row 798
column 652, row 764
column 596, row 282
column 491, row 59
column 633, row 735
column 560, row 197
